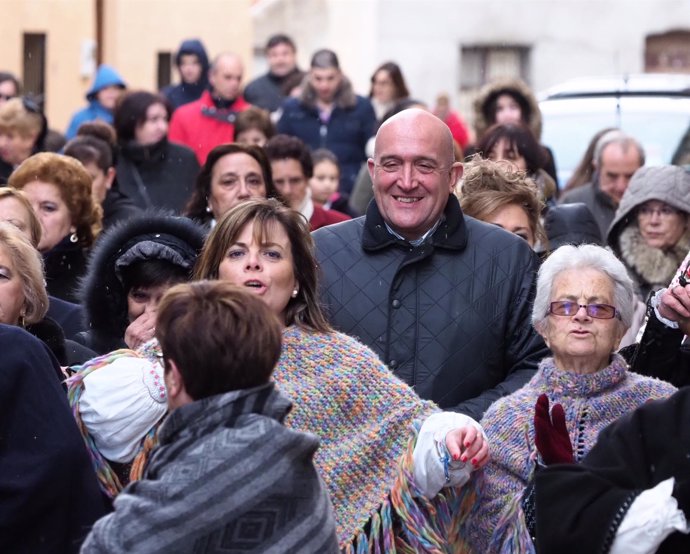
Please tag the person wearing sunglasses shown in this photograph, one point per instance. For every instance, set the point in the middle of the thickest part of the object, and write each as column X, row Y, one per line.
column 582, row 307
column 23, row 129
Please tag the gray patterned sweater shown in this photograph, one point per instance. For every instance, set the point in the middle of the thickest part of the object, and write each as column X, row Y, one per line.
column 227, row 476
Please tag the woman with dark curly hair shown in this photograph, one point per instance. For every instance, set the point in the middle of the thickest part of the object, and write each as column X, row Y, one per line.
column 59, row 189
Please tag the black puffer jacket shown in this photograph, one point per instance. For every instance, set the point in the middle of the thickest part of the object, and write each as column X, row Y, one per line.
column 103, row 295
column 450, row 317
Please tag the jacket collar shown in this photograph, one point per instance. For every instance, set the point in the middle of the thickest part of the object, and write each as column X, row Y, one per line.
column 451, row 233
column 224, row 409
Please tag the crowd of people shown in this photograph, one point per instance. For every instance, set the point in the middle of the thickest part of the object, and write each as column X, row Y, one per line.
column 285, row 317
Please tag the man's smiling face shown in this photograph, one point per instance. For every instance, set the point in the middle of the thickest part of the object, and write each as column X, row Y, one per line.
column 413, row 171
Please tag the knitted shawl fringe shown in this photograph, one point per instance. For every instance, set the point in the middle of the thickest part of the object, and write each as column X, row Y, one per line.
column 511, row 535
column 420, row 525
column 107, row 478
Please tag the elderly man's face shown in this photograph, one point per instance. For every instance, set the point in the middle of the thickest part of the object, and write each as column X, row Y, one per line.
column 413, row 172
column 618, row 164
column 226, row 77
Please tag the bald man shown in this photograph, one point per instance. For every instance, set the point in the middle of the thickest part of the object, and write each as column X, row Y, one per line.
column 210, row 121
column 443, row 299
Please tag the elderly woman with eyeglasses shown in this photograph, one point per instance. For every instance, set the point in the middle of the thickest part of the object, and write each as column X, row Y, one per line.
column 649, row 232
column 582, row 308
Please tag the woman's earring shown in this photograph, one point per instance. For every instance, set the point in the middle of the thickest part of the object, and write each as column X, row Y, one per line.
column 208, row 209
column 73, row 238
column 294, row 292
column 22, row 320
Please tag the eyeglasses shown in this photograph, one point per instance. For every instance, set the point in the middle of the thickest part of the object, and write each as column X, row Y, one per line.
column 597, row 311
column 663, row 211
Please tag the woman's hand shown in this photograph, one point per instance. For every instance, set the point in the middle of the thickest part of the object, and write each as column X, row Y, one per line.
column 141, row 330
column 674, row 304
column 467, row 444
column 450, row 446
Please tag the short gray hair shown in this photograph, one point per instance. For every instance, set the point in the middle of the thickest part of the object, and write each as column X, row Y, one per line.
column 582, row 257
column 616, row 136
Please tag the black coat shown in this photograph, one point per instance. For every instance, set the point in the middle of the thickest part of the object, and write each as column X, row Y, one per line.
column 49, row 496
column 661, row 353
column 450, row 317
column 117, row 207
column 161, row 175
column 268, row 91
column 67, row 352
column 65, row 263
column 580, row 506
column 67, row 315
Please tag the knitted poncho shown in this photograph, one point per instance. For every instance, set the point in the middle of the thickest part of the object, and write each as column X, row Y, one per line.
column 363, row 415
column 591, row 402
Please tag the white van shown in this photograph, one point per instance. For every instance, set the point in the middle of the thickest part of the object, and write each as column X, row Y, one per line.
column 654, row 108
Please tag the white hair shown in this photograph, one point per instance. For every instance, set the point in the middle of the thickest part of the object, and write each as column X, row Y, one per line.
column 585, row 256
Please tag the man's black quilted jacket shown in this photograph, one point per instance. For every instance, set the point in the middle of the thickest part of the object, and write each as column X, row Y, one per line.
column 450, row 317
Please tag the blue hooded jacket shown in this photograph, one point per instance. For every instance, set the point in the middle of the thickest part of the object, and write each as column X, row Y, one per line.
column 105, row 76
column 184, row 93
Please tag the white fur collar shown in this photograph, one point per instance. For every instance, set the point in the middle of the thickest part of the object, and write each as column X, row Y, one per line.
column 654, row 265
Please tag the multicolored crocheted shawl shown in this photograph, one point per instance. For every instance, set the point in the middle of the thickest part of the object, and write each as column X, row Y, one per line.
column 364, row 416
column 367, row 422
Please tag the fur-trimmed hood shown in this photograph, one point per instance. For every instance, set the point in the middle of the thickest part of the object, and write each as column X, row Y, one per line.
column 152, row 235
column 500, row 86
column 345, row 96
column 668, row 183
column 652, row 267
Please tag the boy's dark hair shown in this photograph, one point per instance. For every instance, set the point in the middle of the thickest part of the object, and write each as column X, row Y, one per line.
column 286, row 147
column 324, row 155
column 221, row 337
column 255, row 118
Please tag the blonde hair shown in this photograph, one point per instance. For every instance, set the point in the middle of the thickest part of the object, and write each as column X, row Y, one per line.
column 28, row 265
column 488, row 186
column 74, row 184
column 15, row 117
column 34, row 225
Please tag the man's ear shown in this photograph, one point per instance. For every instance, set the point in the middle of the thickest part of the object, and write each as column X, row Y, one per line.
column 456, row 172
column 370, row 166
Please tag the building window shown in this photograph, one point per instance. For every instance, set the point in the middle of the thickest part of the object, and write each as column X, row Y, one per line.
column 482, row 64
column 668, row 52
column 34, row 70
column 164, row 69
